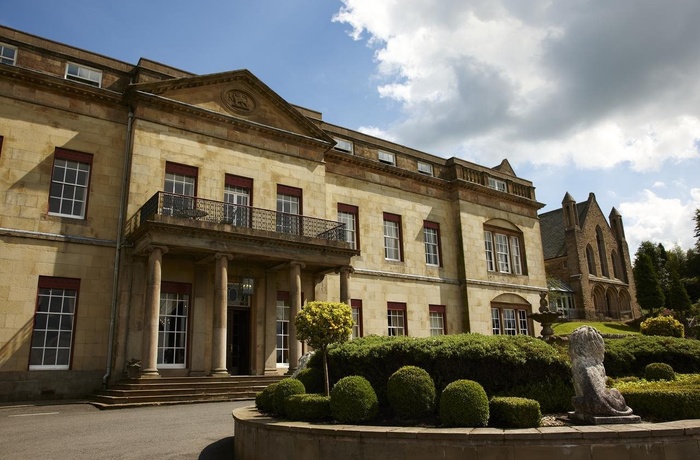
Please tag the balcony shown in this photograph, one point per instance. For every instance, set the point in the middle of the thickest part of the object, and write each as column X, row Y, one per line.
column 205, row 224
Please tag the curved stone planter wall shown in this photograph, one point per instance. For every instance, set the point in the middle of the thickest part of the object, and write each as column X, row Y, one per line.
column 259, row 437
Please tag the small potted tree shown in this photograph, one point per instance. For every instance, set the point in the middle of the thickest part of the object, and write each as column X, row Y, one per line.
column 321, row 324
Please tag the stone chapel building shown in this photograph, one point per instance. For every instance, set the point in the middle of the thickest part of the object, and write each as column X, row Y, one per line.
column 183, row 220
column 588, row 262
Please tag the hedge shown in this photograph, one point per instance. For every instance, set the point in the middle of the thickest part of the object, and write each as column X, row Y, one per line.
column 629, row 356
column 498, row 363
column 664, row 405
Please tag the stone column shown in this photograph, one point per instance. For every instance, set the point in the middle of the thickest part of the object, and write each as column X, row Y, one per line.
column 218, row 345
column 345, row 273
column 295, row 307
column 270, row 323
column 149, row 359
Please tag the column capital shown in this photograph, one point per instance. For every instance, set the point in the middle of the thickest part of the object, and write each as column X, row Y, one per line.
column 346, row 269
column 227, row 255
column 150, row 248
column 296, row 263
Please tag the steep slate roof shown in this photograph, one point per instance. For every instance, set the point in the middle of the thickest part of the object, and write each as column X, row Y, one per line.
column 553, row 230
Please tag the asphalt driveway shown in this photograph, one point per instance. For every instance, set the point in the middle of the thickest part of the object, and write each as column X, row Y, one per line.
column 80, row 431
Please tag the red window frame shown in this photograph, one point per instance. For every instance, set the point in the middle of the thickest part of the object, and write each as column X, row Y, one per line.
column 185, row 170
column 399, row 306
column 357, row 305
column 439, row 309
column 350, row 209
column 387, row 216
column 435, row 226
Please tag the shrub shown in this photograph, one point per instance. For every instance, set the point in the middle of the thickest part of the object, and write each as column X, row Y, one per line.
column 285, row 388
column 499, row 363
column 353, row 400
column 629, row 356
column 552, row 395
column 464, row 403
column 666, row 326
column 411, row 393
column 264, row 399
column 659, row 371
column 662, row 404
column 308, row 407
column 312, row 378
column 512, row 412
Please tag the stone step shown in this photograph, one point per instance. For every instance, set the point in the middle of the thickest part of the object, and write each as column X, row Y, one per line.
column 179, row 390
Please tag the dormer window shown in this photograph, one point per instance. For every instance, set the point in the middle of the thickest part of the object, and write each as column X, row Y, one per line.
column 8, row 54
column 425, row 168
column 84, row 74
column 497, row 184
column 343, row 145
column 386, row 158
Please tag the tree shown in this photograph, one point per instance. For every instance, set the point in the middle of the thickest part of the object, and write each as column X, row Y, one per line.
column 321, row 324
column 697, row 228
column 678, row 300
column 649, row 293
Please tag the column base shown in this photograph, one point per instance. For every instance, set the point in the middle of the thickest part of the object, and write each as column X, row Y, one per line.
column 220, row 373
column 149, row 374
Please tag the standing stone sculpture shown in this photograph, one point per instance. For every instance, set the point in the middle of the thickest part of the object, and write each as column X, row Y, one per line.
column 594, row 403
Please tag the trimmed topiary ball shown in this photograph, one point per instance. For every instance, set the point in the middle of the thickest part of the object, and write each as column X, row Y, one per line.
column 285, row 388
column 513, row 412
column 308, row 407
column 263, row 400
column 353, row 400
column 411, row 393
column 659, row 371
column 667, row 326
column 464, row 403
column 312, row 378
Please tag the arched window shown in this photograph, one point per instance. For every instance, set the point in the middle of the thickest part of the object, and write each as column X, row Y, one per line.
column 617, row 268
column 601, row 252
column 599, row 301
column 613, row 309
column 591, row 260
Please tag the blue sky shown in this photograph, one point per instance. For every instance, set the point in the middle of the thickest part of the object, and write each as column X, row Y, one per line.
column 593, row 96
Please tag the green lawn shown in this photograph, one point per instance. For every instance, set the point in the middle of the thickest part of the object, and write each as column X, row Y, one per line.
column 602, row 327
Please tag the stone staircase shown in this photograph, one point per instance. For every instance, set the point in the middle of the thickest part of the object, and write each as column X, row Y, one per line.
column 180, row 390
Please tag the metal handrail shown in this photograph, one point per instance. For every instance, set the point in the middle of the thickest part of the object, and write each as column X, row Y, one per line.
column 192, row 208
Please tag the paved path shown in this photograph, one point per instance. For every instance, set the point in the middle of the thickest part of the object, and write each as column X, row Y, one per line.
column 80, row 431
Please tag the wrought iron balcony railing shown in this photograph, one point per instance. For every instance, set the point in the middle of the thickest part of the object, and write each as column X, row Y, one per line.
column 191, row 208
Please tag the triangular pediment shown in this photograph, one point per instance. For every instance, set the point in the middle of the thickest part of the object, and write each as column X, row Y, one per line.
column 237, row 94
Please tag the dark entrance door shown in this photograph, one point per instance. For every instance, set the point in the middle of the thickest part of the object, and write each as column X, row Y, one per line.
column 238, row 349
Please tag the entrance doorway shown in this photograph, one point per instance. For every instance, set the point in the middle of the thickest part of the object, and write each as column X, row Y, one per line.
column 238, row 346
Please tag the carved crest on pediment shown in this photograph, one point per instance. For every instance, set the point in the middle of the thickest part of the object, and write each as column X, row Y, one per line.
column 238, row 101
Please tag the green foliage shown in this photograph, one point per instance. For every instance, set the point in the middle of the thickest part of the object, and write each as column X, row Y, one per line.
column 353, row 400
column 552, row 396
column 607, row 327
column 411, row 393
column 308, row 407
column 666, row 326
column 629, row 356
column 511, row 412
column 264, row 400
column 321, row 324
column 464, row 403
column 285, row 388
column 664, row 404
column 677, row 299
column 499, row 363
column 649, row 293
column 312, row 378
column 659, row 371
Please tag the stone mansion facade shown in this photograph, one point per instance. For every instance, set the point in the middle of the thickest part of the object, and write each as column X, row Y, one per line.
column 182, row 220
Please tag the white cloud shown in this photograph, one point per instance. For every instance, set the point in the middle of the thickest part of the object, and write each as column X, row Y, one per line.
column 597, row 84
column 662, row 220
column 659, row 184
column 377, row 132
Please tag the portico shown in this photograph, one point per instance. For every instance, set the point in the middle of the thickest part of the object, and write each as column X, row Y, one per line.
column 178, row 320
